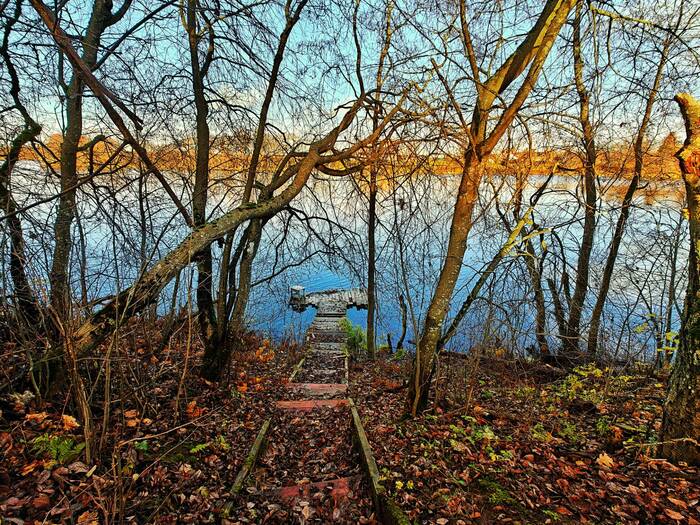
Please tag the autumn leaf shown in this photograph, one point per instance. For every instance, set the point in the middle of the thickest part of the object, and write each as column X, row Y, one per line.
column 604, row 460
column 193, row 411
column 130, row 414
column 69, row 422
column 674, row 515
column 678, row 502
column 88, row 518
column 242, row 388
column 29, row 467
column 37, row 417
column 41, row 502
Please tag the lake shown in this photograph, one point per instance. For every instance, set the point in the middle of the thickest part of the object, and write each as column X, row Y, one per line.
column 319, row 244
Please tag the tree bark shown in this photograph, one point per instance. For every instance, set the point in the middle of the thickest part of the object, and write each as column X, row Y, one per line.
column 681, row 422
column 570, row 339
column 532, row 52
column 100, row 19
column 371, row 263
column 206, row 316
column 626, row 205
column 25, row 299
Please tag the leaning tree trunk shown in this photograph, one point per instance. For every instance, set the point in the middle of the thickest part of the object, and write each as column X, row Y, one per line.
column 681, row 422
column 437, row 311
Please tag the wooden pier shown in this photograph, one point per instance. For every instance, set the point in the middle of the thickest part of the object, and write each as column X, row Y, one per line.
column 329, row 303
column 312, row 407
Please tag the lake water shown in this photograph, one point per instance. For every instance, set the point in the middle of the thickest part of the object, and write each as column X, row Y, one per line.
column 321, row 243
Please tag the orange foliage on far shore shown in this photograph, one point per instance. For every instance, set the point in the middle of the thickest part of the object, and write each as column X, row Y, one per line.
column 228, row 157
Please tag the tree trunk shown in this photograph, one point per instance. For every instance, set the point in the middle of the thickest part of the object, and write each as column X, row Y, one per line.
column 25, row 300
column 626, row 205
column 531, row 53
column 60, row 294
column 440, row 303
column 570, row 339
column 205, row 305
column 681, row 422
column 371, row 263
column 531, row 263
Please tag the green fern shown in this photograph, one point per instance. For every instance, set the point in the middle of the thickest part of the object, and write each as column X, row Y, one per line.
column 59, row 448
column 198, row 448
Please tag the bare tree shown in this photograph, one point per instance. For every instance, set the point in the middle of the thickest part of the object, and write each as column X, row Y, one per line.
column 531, row 53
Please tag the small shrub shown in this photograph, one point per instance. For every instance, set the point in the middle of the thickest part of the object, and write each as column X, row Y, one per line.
column 356, row 342
column 539, row 433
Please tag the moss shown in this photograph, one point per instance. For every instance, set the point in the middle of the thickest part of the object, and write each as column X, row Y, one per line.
column 497, row 494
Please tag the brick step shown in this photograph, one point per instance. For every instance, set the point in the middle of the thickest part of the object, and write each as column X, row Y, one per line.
column 319, row 389
column 304, row 405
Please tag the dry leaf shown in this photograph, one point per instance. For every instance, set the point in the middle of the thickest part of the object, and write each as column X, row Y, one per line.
column 36, row 416
column 604, row 460
column 130, row 414
column 88, row 518
column 29, row 467
column 674, row 515
column 41, row 502
column 678, row 502
column 69, row 422
column 193, row 411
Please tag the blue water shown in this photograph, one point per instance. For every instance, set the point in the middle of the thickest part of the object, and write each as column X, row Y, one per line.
column 335, row 256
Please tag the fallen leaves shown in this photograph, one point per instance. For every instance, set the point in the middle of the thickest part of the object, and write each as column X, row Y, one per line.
column 88, row 518
column 674, row 515
column 41, row 502
column 36, row 417
column 604, row 460
column 193, row 411
column 544, row 464
column 69, row 422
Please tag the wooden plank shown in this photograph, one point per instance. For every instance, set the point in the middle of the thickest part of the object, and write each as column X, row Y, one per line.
column 389, row 512
column 319, row 388
column 252, row 457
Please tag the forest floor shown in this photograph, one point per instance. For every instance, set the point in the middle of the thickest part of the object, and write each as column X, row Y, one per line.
column 174, row 445
column 506, row 442
column 515, row 442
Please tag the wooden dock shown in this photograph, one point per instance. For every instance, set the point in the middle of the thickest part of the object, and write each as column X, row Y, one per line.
column 330, row 303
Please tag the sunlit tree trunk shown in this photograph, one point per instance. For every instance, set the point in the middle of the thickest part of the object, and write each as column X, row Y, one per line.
column 532, row 53
column 681, row 422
